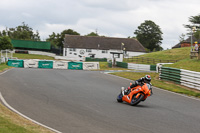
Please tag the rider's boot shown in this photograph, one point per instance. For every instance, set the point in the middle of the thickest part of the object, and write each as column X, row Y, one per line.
column 122, row 91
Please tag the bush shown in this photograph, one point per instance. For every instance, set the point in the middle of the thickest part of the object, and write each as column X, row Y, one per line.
column 5, row 43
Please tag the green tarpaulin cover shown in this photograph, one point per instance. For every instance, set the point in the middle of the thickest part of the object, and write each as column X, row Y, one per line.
column 75, row 65
column 15, row 63
column 45, row 64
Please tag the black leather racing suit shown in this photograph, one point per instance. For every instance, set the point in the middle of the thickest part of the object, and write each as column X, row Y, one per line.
column 140, row 82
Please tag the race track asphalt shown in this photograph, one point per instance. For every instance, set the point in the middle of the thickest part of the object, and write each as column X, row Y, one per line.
column 76, row 101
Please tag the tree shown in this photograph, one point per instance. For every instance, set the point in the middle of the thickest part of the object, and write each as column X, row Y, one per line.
column 22, row 32
column 132, row 37
column 182, row 38
column 92, row 34
column 194, row 27
column 3, row 33
column 149, row 35
column 195, row 22
column 5, row 43
column 197, row 34
column 57, row 39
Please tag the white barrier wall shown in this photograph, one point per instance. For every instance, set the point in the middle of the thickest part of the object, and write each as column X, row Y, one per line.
column 190, row 79
column 139, row 67
column 33, row 63
column 90, row 65
column 36, row 63
column 60, row 64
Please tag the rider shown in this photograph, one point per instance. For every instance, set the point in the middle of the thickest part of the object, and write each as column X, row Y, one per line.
column 141, row 81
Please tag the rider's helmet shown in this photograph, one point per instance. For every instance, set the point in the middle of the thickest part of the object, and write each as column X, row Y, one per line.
column 147, row 79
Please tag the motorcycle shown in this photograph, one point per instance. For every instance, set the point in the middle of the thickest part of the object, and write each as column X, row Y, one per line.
column 136, row 94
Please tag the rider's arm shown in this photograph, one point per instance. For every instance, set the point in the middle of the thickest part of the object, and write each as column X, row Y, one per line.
column 136, row 83
column 140, row 80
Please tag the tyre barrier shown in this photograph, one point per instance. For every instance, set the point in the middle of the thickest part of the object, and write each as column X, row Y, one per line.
column 183, row 77
column 51, row 64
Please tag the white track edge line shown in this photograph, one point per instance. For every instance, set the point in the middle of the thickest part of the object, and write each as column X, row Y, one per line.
column 14, row 110
column 190, row 97
column 5, row 71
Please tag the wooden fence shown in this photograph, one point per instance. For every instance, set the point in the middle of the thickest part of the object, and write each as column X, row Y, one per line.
column 137, row 59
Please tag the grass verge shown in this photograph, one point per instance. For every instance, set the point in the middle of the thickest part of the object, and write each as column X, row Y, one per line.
column 172, row 54
column 4, row 67
column 160, row 83
column 32, row 56
column 10, row 122
column 181, row 54
column 188, row 64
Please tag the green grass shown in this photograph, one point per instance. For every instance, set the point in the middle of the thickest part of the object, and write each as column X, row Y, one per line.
column 3, row 67
column 13, row 123
column 32, row 56
column 8, row 127
column 188, row 64
column 172, row 54
column 160, row 83
column 181, row 54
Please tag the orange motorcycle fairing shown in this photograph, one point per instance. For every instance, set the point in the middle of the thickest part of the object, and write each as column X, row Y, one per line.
column 128, row 98
column 137, row 94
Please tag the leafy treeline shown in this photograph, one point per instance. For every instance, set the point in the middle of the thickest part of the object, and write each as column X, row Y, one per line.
column 24, row 32
column 148, row 34
column 21, row 32
column 57, row 39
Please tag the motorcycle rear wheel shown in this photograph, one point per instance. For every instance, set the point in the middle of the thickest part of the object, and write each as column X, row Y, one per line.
column 135, row 100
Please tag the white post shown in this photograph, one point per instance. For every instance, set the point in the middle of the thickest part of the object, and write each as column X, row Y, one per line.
column 6, row 54
column 64, row 53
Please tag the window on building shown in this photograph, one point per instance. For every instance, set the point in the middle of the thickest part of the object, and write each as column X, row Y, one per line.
column 104, row 51
column 72, row 49
column 88, row 50
column 116, row 55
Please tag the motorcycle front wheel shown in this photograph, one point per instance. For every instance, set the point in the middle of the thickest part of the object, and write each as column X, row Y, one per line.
column 119, row 98
column 137, row 98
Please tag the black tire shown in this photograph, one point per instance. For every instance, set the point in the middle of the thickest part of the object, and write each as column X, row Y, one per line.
column 135, row 100
column 119, row 98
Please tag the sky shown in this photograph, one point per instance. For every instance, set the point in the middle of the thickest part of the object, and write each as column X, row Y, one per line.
column 111, row 18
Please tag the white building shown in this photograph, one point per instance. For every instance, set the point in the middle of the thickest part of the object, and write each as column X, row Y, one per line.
column 76, row 46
